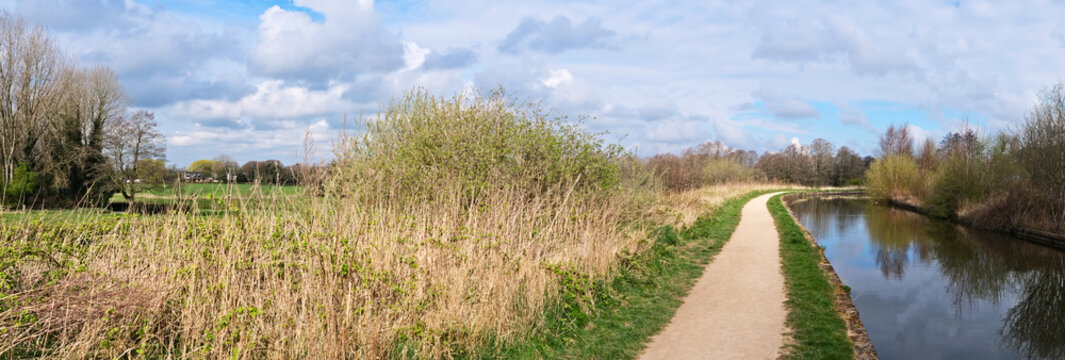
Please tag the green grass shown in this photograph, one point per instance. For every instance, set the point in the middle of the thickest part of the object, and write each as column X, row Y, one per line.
column 616, row 319
column 216, row 190
column 208, row 198
column 818, row 331
column 57, row 216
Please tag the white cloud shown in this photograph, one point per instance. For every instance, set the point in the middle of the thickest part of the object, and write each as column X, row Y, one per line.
column 413, row 55
column 271, row 100
column 283, row 143
column 350, row 41
column 557, row 78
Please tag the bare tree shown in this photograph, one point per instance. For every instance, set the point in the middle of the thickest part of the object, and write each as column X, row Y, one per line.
column 128, row 140
column 928, row 157
column 896, row 140
column 821, row 154
column 1042, row 151
column 30, row 67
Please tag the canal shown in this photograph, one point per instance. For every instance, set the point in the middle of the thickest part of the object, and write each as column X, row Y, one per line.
column 928, row 289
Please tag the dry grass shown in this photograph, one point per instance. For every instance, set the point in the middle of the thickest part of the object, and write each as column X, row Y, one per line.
column 682, row 208
column 334, row 280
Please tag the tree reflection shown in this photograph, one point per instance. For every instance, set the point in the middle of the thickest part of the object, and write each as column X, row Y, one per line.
column 972, row 273
column 892, row 232
column 1034, row 325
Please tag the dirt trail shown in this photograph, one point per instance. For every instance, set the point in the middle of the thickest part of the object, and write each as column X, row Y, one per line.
column 736, row 309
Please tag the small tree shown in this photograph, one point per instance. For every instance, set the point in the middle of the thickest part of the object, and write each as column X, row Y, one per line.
column 128, row 140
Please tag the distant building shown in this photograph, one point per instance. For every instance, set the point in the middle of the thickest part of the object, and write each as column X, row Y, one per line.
column 193, row 176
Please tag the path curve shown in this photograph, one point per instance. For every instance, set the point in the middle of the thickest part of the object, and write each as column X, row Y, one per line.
column 736, row 309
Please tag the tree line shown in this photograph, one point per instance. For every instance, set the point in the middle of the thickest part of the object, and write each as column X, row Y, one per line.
column 1013, row 178
column 67, row 135
column 816, row 164
column 270, row 172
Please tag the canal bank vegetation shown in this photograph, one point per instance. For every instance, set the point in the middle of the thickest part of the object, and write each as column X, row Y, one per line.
column 817, row 330
column 1009, row 180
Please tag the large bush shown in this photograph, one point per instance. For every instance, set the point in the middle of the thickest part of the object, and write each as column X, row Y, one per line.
column 423, row 146
column 23, row 186
column 957, row 180
column 893, row 177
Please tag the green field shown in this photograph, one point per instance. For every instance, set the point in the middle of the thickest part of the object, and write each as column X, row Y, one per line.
column 204, row 190
column 208, row 197
column 57, row 216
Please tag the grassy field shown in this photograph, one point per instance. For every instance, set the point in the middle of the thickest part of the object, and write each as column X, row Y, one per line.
column 817, row 330
column 207, row 198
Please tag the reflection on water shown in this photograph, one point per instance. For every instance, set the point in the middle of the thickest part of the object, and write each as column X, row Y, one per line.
column 932, row 290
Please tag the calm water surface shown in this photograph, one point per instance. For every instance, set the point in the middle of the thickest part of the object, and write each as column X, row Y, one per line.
column 927, row 289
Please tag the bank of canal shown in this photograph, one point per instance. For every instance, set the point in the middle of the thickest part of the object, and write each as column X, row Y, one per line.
column 930, row 289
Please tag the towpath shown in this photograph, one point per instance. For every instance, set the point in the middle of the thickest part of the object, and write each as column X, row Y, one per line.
column 736, row 309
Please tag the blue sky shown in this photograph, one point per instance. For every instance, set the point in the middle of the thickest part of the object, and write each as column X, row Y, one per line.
column 249, row 78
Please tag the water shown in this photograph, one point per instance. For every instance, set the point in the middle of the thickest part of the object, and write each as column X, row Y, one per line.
column 927, row 289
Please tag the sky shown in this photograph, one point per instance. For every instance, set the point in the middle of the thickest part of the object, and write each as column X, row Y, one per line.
column 252, row 78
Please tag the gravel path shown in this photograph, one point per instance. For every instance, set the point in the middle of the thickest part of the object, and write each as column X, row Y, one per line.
column 736, row 309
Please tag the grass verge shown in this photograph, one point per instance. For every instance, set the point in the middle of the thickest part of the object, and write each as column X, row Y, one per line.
column 616, row 319
column 817, row 330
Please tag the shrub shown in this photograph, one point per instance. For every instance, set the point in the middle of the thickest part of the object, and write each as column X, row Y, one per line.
column 956, row 180
column 24, row 184
column 893, row 177
column 717, row 171
column 423, row 146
